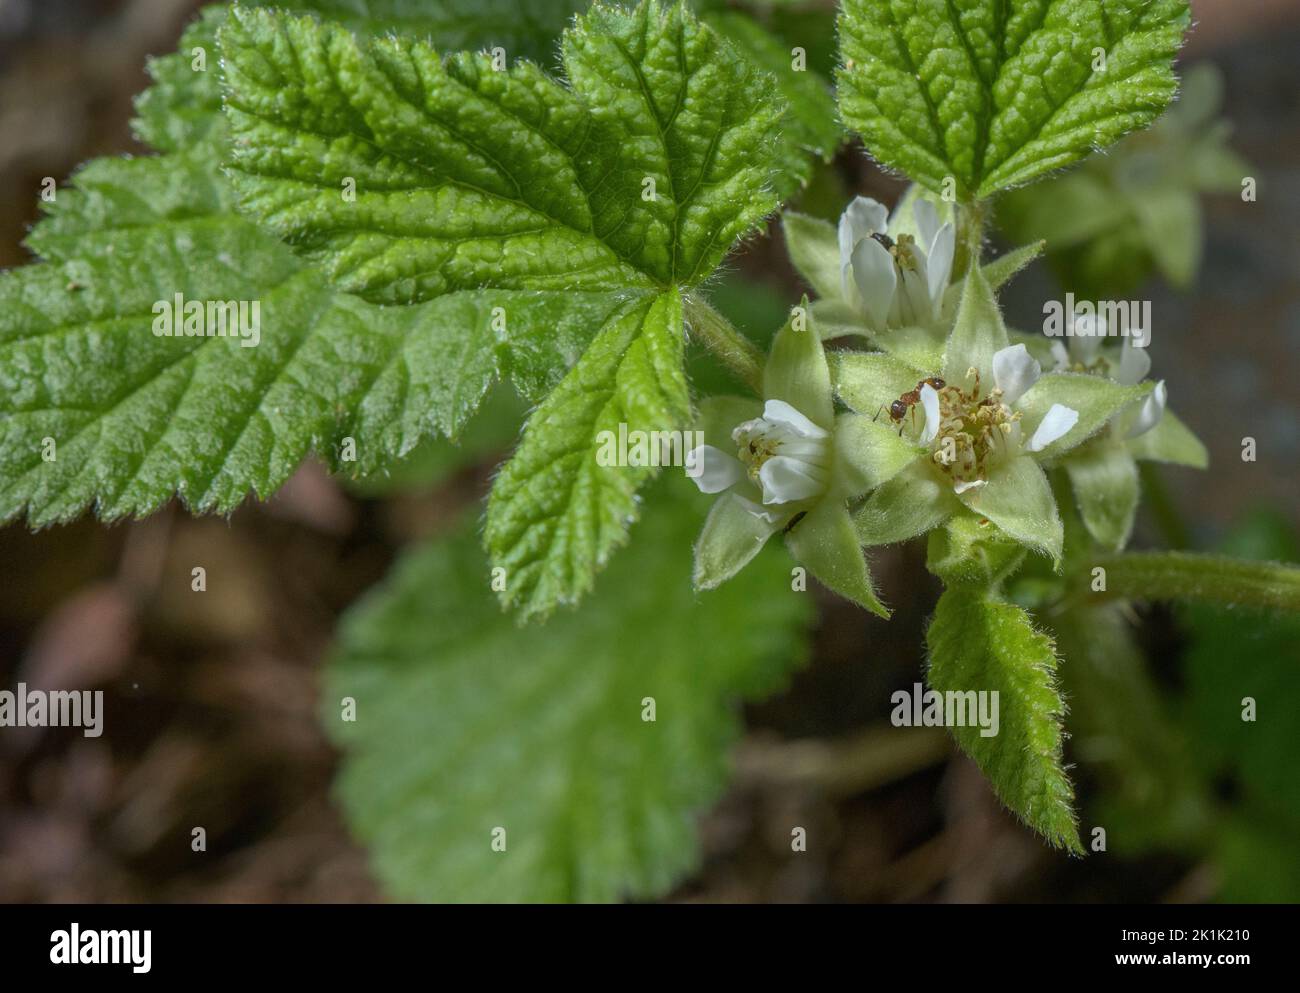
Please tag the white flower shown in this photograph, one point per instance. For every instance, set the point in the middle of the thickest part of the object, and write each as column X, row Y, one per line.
column 784, row 453
column 896, row 283
column 972, row 432
column 1085, row 354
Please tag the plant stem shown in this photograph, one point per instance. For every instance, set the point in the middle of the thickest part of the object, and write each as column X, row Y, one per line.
column 1188, row 576
column 740, row 355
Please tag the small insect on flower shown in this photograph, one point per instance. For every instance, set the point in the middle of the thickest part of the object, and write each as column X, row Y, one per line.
column 898, row 409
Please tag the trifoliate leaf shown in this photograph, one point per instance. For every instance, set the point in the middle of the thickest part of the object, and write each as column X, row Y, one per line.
column 466, row 723
column 1104, row 477
column 810, row 131
column 556, row 513
column 1095, row 398
column 213, row 417
column 988, row 94
column 408, row 176
column 1170, row 441
column 1018, row 499
column 979, row 644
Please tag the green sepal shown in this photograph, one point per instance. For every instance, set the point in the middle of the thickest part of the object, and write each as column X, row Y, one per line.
column 869, row 453
column 825, row 542
column 731, row 537
column 1104, row 478
column 1018, row 499
column 910, row 504
column 797, row 371
column 1095, row 398
column 1170, row 441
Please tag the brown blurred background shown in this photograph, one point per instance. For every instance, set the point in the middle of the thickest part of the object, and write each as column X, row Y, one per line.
column 213, row 697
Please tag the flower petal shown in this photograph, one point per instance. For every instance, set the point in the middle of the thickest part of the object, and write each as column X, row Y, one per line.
column 1014, row 371
column 1055, row 424
column 875, row 278
column 938, row 261
column 780, row 412
column 930, row 403
column 1134, row 364
column 1149, row 414
column 712, row 469
column 787, row 480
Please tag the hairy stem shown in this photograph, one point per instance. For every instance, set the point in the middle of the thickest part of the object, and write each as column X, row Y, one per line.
column 1188, row 576
column 740, row 355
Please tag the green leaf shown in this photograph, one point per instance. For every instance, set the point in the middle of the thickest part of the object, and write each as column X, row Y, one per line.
column 114, row 200
column 634, row 177
column 797, row 372
column 825, row 542
column 913, row 502
column 1096, row 399
column 468, row 177
column 1171, row 221
column 810, row 130
column 995, row 93
column 869, row 453
column 205, row 417
column 524, row 28
column 978, row 331
column 556, row 513
column 182, row 109
column 977, row 643
column 465, row 722
column 1170, row 441
column 1104, row 477
column 1018, row 499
